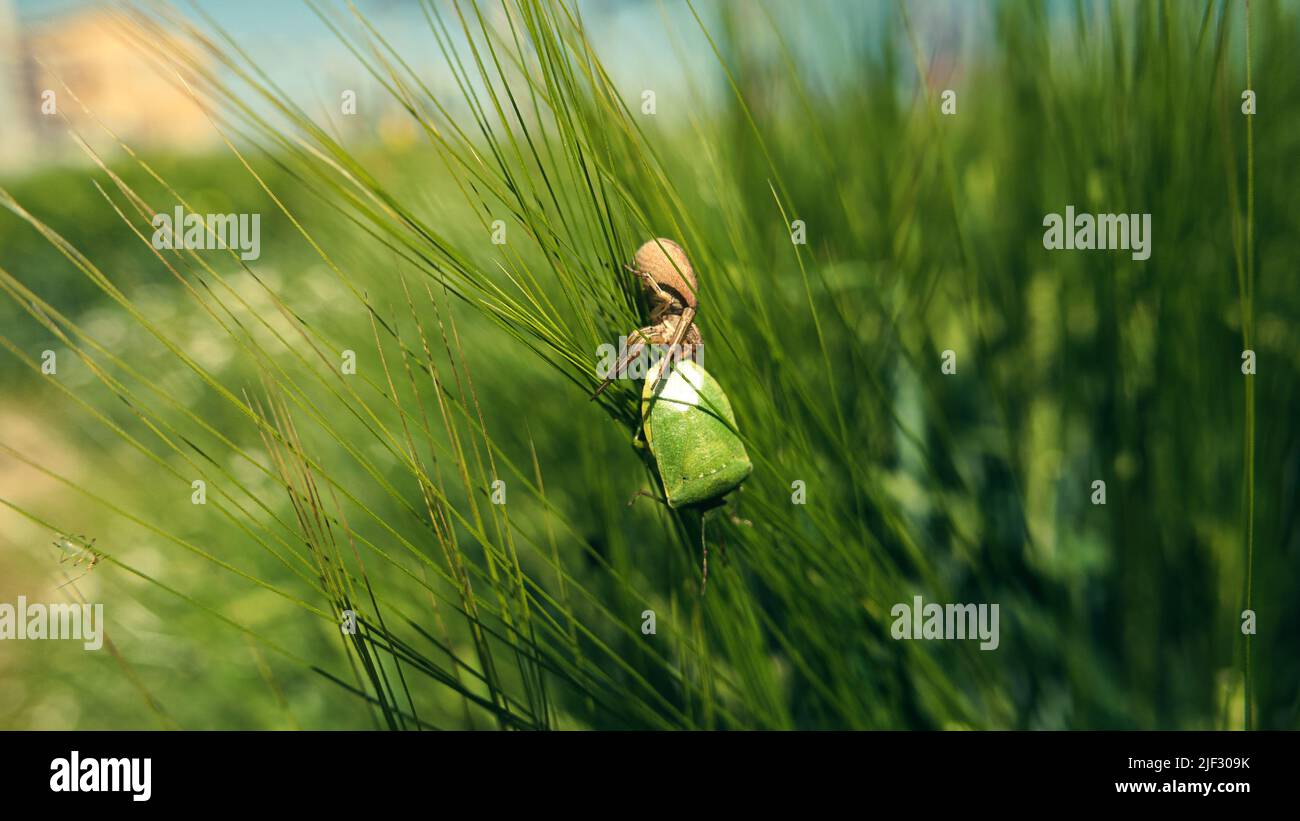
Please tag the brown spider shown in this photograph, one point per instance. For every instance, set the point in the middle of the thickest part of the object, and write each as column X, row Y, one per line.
column 668, row 281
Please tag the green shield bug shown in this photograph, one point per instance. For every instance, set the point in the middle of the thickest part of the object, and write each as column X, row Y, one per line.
column 691, row 432
column 687, row 422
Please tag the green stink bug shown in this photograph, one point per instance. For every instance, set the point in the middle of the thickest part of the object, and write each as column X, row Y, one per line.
column 691, row 432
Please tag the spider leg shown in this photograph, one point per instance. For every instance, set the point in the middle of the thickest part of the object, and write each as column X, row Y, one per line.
column 649, row 284
column 636, row 343
column 675, row 343
column 632, row 353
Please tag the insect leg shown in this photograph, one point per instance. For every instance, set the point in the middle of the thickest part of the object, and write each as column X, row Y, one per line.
column 736, row 520
column 648, row 494
column 704, row 565
column 732, row 504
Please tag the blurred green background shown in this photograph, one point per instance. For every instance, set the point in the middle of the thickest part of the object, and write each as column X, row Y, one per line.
column 924, row 234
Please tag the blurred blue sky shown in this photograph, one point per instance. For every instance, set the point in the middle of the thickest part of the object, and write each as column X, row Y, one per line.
column 643, row 44
column 286, row 38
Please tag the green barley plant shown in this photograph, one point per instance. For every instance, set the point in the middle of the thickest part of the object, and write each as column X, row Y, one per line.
column 358, row 482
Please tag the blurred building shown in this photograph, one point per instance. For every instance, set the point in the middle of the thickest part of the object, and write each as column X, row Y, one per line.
column 15, row 131
column 86, row 51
